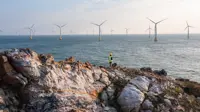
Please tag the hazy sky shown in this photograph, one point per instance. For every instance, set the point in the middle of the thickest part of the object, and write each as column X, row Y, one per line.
column 78, row 14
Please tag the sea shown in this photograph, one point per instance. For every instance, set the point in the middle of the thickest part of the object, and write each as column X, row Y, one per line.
column 179, row 56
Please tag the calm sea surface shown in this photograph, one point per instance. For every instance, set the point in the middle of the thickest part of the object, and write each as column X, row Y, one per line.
column 176, row 54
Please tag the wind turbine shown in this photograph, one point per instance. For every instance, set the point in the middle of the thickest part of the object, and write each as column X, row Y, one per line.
column 127, row 30
column 60, row 27
column 188, row 27
column 31, row 31
column 111, row 31
column 156, row 23
column 149, row 29
column 99, row 25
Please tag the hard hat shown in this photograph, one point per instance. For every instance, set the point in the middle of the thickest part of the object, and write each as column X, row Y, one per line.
column 110, row 53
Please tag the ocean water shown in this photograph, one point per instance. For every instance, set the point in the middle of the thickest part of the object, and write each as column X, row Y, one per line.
column 176, row 54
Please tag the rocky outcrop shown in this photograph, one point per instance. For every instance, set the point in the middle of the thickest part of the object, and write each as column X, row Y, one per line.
column 32, row 82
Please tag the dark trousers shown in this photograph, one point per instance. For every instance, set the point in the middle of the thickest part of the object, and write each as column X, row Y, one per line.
column 110, row 63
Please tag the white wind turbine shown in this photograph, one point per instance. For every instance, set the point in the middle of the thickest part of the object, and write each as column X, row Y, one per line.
column 127, row 29
column 60, row 27
column 188, row 27
column 111, row 31
column 156, row 39
column 99, row 25
column 149, row 29
column 31, row 31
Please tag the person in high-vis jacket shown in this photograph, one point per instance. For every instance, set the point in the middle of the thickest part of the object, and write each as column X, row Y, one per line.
column 110, row 59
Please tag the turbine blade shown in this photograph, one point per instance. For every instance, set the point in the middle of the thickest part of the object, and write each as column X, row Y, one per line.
column 191, row 26
column 161, row 21
column 103, row 22
column 151, row 20
column 63, row 25
column 57, row 25
column 187, row 23
column 186, row 27
column 32, row 26
column 95, row 24
column 28, row 28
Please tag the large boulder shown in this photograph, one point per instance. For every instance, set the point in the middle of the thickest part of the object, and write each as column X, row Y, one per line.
column 8, row 75
column 141, row 82
column 24, row 62
column 130, row 99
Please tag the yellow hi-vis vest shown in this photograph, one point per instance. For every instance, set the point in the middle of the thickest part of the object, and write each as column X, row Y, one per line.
column 110, row 59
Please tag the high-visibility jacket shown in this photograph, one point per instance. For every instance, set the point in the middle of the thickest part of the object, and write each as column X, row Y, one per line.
column 110, row 59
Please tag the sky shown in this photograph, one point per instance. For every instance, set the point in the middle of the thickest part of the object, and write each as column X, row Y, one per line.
column 16, row 15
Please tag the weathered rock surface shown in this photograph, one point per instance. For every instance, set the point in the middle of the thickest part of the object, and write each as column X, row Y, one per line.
column 30, row 82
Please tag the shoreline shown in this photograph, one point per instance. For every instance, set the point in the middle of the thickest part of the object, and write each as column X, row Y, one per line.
column 35, row 82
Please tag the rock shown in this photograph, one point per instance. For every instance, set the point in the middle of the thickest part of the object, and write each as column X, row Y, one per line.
column 146, row 110
column 147, row 105
column 88, row 65
column 6, row 68
column 49, row 59
column 22, row 61
column 70, row 60
column 180, row 108
column 168, row 102
column 96, row 73
column 114, row 65
column 67, row 67
column 161, row 72
column 104, row 96
column 15, row 79
column 141, row 82
column 130, row 99
column 3, row 59
column 156, row 88
column 109, row 109
column 10, row 76
column 146, row 69
column 182, row 79
column 8, row 100
column 104, row 78
column 107, row 94
column 46, row 59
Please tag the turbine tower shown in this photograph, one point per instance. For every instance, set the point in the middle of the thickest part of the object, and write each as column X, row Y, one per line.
column 60, row 27
column 149, row 29
column 111, row 31
column 127, row 30
column 99, row 25
column 188, row 27
column 31, row 31
column 156, row 23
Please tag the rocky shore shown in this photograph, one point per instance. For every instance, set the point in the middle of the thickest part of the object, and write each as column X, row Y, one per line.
column 31, row 82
